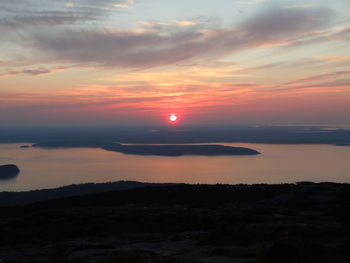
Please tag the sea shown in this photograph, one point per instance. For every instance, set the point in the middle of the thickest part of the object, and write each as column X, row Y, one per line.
column 277, row 163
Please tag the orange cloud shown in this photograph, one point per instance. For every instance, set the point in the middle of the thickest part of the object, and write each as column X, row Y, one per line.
column 211, row 103
column 297, row 6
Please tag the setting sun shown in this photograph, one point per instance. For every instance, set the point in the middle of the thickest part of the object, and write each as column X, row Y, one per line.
column 173, row 118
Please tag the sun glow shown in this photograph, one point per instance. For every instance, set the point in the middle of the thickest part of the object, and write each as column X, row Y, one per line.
column 172, row 117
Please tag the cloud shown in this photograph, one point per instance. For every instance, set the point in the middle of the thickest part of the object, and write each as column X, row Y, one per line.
column 124, row 4
column 251, row 2
column 155, row 25
column 342, row 34
column 337, row 61
column 18, row 14
column 298, row 6
column 324, row 76
column 329, row 82
column 31, row 71
column 265, row 66
column 317, row 37
column 287, row 23
column 194, row 76
column 144, row 49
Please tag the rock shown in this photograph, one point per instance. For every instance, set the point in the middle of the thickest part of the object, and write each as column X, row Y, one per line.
column 24, row 146
column 8, row 171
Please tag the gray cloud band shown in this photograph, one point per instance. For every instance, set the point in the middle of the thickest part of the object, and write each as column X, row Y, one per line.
column 159, row 46
column 155, row 48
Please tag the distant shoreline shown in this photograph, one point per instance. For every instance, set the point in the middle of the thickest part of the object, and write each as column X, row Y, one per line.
column 73, row 144
column 180, row 135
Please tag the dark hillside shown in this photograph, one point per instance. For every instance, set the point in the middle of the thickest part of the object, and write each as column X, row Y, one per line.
column 180, row 223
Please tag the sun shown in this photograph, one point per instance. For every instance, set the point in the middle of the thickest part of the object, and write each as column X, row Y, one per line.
column 173, row 118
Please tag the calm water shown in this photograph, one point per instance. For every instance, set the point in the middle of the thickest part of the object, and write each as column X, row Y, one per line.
column 43, row 168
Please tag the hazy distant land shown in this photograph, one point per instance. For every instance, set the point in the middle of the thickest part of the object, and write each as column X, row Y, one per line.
column 97, row 136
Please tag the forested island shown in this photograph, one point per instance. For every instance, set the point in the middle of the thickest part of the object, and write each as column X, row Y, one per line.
column 151, row 149
column 179, row 150
column 8, row 171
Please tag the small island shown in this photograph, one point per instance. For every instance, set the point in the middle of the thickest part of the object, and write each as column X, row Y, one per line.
column 25, row 146
column 8, row 171
column 179, row 150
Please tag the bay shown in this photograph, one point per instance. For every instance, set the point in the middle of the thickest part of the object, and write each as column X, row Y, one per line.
column 50, row 168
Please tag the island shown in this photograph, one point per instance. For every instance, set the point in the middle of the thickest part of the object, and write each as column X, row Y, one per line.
column 8, row 171
column 152, row 149
column 179, row 150
column 25, row 146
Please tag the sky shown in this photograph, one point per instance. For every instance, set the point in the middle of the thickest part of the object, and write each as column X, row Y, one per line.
column 136, row 62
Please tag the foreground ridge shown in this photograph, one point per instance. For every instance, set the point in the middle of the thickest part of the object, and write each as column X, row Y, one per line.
column 180, row 223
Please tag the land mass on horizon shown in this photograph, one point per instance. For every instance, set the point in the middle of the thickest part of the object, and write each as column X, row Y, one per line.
column 158, row 150
column 102, row 135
